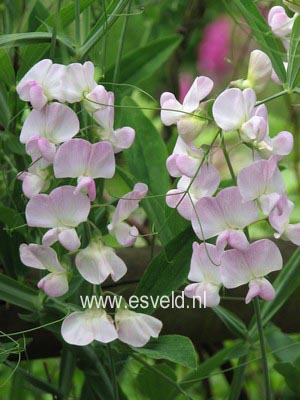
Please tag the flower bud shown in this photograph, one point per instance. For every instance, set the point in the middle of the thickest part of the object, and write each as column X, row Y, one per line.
column 190, row 127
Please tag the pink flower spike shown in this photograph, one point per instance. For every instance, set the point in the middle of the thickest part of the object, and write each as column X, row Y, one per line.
column 96, row 262
column 205, row 271
column 41, row 84
column 125, row 234
column 56, row 122
column 136, row 329
column 78, row 158
column 172, row 110
column 226, row 211
column 83, row 327
column 261, row 181
column 233, row 108
column 250, row 266
column 205, row 184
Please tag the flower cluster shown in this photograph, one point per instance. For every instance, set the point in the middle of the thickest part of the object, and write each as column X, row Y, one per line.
column 224, row 215
column 49, row 133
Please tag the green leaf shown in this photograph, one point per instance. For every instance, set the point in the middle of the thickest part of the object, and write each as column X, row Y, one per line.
column 285, row 284
column 233, row 323
column 291, row 375
column 24, row 39
column 66, row 371
column 168, row 270
column 175, row 348
column 283, row 347
column 208, row 366
column 293, row 72
column 113, row 11
column 152, row 386
column 263, row 35
column 18, row 294
column 7, row 73
column 142, row 63
column 34, row 381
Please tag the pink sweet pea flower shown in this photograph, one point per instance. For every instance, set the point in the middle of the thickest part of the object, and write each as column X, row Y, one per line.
column 185, row 159
column 62, row 210
column 174, row 112
column 205, row 184
column 78, row 158
column 38, row 256
column 36, row 180
column 136, row 329
column 185, row 82
column 96, row 262
column 250, row 266
column 261, row 181
column 83, row 327
column 46, row 128
column 225, row 215
column 41, row 84
column 78, row 81
column 281, row 145
column 97, row 99
column 281, row 24
column 206, row 274
column 121, row 138
column 279, row 219
column 125, row 234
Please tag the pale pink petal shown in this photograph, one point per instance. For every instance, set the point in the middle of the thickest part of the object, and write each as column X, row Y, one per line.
column 200, row 88
column 40, row 213
column 206, row 293
column 103, row 328
column 283, row 143
column 175, row 198
column 54, row 284
column 78, row 80
column 72, row 159
column 136, row 329
column 35, row 75
column 187, row 165
column 233, row 107
column 235, row 239
column 129, row 202
column 96, row 262
column 56, row 122
column 36, row 96
column 86, row 185
column 32, row 184
column 125, row 234
column 261, row 288
column 77, row 330
column 40, row 257
column 123, row 138
column 69, row 239
column 280, row 216
column 102, row 161
column 50, row 237
column 292, row 233
column 268, row 201
column 171, row 108
column 96, row 99
column 205, row 263
column 46, row 149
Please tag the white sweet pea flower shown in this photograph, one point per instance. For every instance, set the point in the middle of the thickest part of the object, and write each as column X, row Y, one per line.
column 83, row 327
column 96, row 262
column 136, row 329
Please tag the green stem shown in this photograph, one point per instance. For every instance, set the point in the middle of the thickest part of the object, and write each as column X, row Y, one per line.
column 121, row 44
column 113, row 372
column 268, row 394
column 227, row 158
column 279, row 94
column 238, row 379
column 166, row 377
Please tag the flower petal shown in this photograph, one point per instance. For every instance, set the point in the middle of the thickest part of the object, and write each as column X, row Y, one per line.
column 40, row 257
column 54, row 284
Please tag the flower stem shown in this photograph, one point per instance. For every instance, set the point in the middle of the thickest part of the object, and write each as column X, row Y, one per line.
column 268, row 394
column 279, row 94
column 113, row 372
column 227, row 159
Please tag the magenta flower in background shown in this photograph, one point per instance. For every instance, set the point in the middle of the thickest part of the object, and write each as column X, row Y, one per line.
column 215, row 47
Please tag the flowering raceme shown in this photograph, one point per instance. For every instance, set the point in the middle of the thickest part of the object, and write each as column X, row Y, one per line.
column 225, row 217
column 49, row 136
